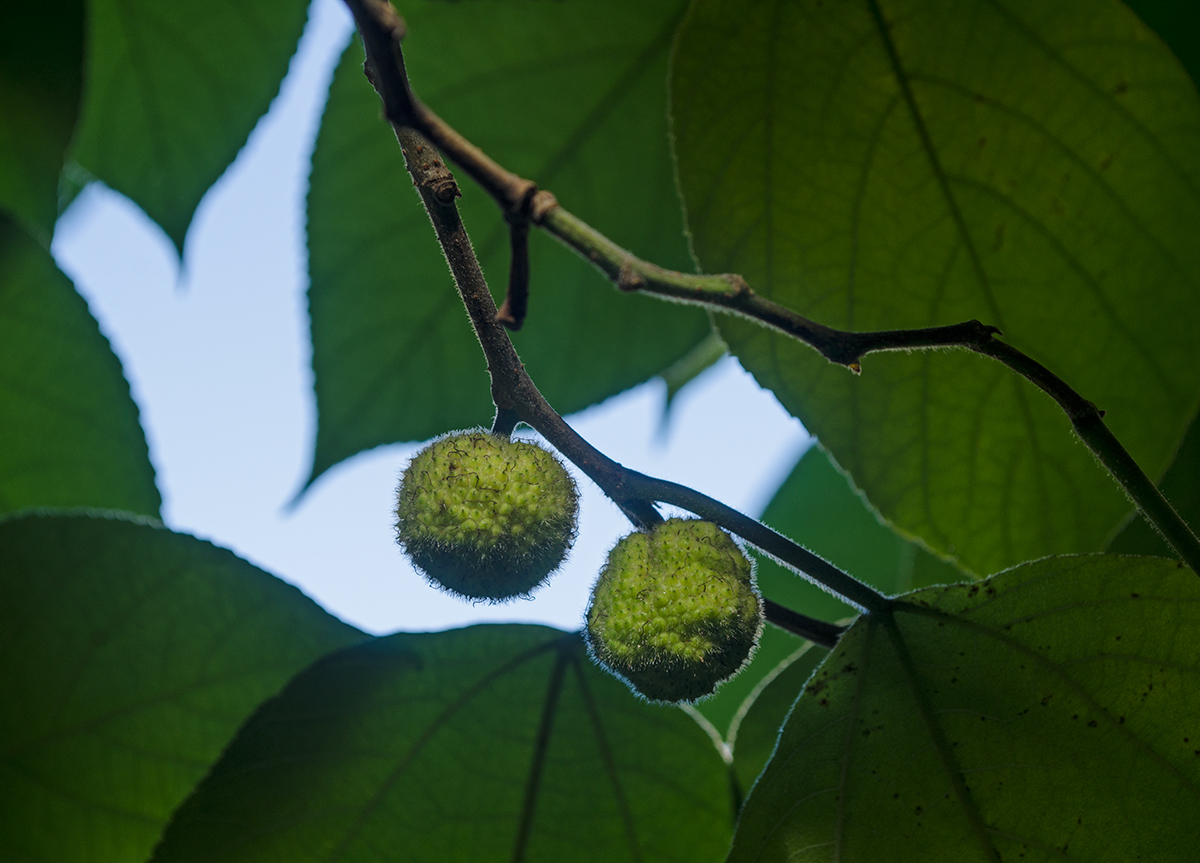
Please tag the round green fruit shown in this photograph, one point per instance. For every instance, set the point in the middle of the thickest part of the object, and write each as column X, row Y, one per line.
column 675, row 611
column 486, row 517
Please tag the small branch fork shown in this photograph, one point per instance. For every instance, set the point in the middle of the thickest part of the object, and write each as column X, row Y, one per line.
column 517, row 399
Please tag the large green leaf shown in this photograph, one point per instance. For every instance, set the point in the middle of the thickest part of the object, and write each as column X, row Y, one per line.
column 173, row 91
column 817, row 508
column 1047, row 713
column 570, row 94
column 70, row 429
column 479, row 744
column 129, row 656
column 41, row 76
column 893, row 164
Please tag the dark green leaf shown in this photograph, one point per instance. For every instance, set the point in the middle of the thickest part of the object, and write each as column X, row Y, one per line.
column 1178, row 23
column 173, row 91
column 70, row 429
column 690, row 366
column 757, row 730
column 41, row 76
column 129, row 656
column 1181, row 486
column 570, row 94
column 487, row 743
column 903, row 164
column 817, row 508
column 1047, row 713
column 776, row 649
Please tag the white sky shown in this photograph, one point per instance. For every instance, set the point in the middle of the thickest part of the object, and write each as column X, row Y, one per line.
column 218, row 358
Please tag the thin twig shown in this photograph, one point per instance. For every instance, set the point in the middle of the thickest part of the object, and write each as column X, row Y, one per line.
column 730, row 293
column 505, row 422
column 816, row 631
column 516, row 301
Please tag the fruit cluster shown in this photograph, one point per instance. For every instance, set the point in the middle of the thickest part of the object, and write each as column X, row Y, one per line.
column 675, row 610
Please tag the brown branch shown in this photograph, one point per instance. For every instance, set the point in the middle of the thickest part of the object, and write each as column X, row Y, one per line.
column 816, row 631
column 516, row 301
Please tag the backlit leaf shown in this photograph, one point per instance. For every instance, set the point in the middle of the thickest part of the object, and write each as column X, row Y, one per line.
column 894, row 164
column 129, row 656
column 173, row 91
column 816, row 507
column 488, row 743
column 70, row 429
column 1044, row 714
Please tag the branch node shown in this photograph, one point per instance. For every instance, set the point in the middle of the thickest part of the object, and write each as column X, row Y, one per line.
column 642, row 513
column 388, row 18
column 740, row 287
column 445, row 190
column 628, row 279
column 540, row 205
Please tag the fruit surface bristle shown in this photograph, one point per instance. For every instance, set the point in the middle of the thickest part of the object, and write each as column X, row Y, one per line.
column 675, row 611
column 486, row 517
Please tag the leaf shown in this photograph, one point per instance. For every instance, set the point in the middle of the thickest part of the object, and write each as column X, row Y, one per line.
column 776, row 649
column 569, row 94
column 756, row 731
column 690, row 366
column 817, row 508
column 41, row 76
column 1181, row 486
column 1177, row 22
column 1047, row 713
column 70, row 428
column 173, row 91
column 129, row 656
column 486, row 743
column 896, row 164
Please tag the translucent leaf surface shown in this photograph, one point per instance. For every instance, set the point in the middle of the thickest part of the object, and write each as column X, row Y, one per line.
column 41, row 76
column 129, row 656
column 895, row 164
column 1047, row 713
column 571, row 95
column 817, row 508
column 480, row 744
column 70, row 429
column 173, row 91
column 757, row 729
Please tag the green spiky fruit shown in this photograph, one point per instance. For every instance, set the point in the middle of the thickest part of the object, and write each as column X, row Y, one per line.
column 486, row 517
column 675, row 611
